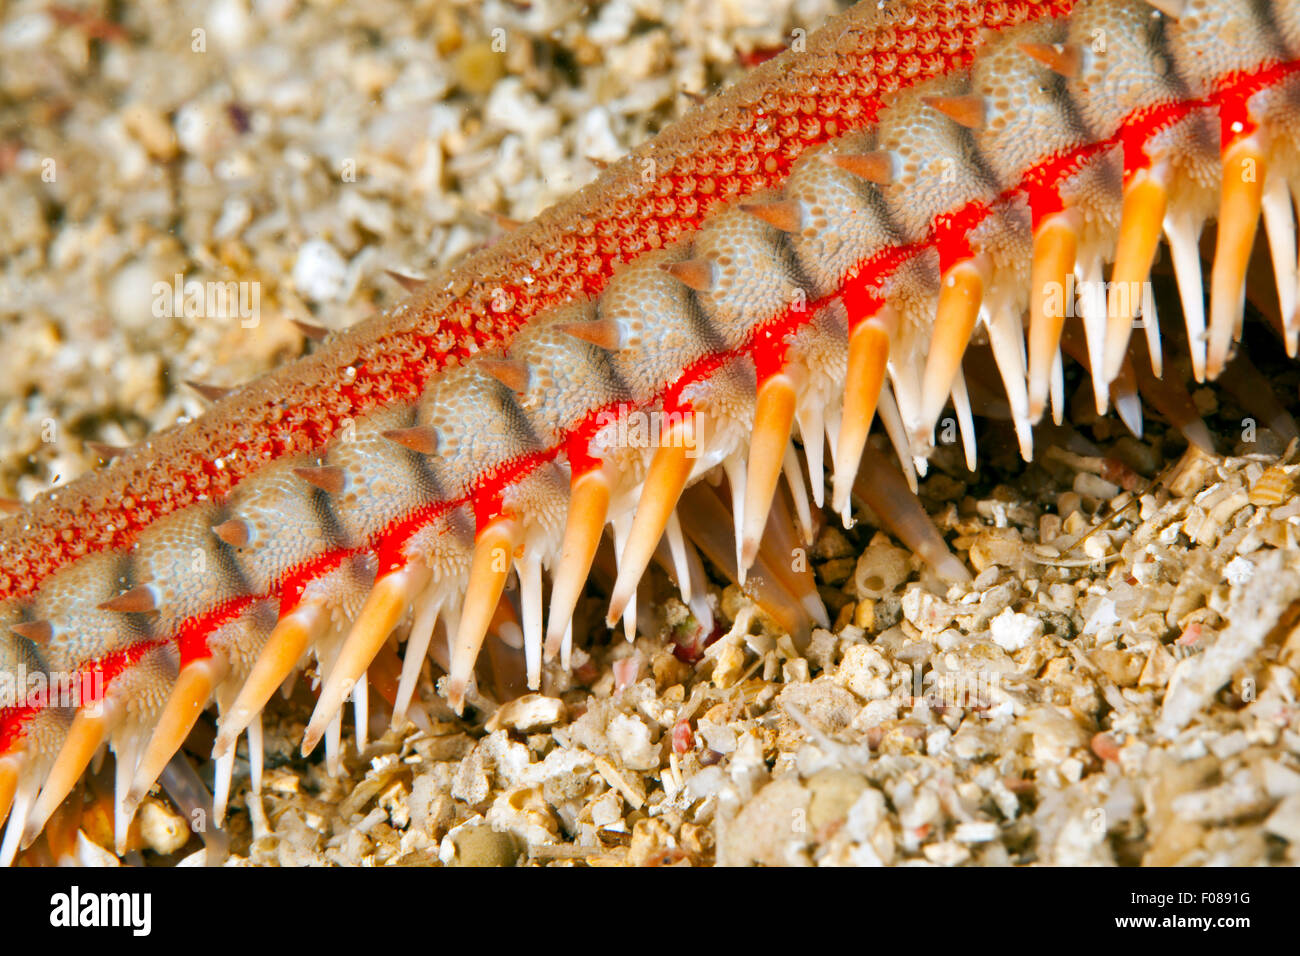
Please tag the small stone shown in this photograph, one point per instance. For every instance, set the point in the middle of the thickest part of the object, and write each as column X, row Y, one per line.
column 926, row 612
column 478, row 67
column 606, row 810
column 771, row 829
column 880, row 570
column 1159, row 667
column 320, row 273
column 202, row 129
column 151, row 128
column 1095, row 486
column 821, row 649
column 1238, row 571
column 864, row 614
column 162, row 831
column 482, row 846
column 833, row 793
column 280, row 781
column 471, row 783
column 997, row 546
column 1229, row 745
column 1105, row 747
column 866, row 672
column 974, row 831
column 948, row 853
column 844, row 618
column 718, row 737
column 835, row 572
column 528, row 714
column 795, row 672
column 1279, row 780
column 524, row 812
column 828, row 706
column 831, row 543
column 669, row 671
column 130, row 297
column 730, row 665
column 1195, row 470
column 1123, row 667
column 652, row 844
column 1094, row 546
column 631, row 737
column 1011, row 631
column 432, row 810
column 1284, row 821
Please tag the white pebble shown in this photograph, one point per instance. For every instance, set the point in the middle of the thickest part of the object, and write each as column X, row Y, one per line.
column 511, row 107
column 202, row 129
column 1103, row 616
column 632, row 738
column 27, row 31
column 1238, row 571
column 936, row 742
column 706, row 783
column 1284, row 821
column 230, row 22
column 946, row 853
column 130, row 296
column 319, row 272
column 975, row 831
column 718, row 737
column 1012, row 631
column 596, row 140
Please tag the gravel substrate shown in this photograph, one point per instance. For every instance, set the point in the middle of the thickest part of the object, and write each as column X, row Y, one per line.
column 1118, row 686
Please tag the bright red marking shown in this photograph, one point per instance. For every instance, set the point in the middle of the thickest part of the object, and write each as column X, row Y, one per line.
column 13, row 723
column 192, row 639
column 1042, row 184
column 950, row 233
column 489, row 491
column 861, row 301
column 389, row 551
column 1144, row 124
column 97, row 676
column 673, row 401
column 577, row 445
column 1232, row 96
column 863, row 291
column 771, row 344
column 295, row 581
column 488, row 506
